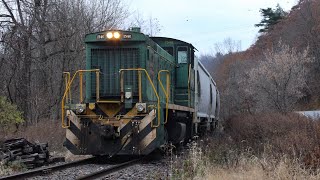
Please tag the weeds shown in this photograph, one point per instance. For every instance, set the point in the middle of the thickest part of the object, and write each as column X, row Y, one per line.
column 11, row 167
column 289, row 134
column 191, row 164
column 273, row 146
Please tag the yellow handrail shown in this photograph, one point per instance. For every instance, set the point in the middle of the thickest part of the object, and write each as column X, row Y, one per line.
column 80, row 85
column 67, row 79
column 68, row 90
column 152, row 85
column 166, row 92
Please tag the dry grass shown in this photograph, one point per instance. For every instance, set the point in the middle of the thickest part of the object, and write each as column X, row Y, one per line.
column 273, row 146
column 45, row 131
column 206, row 163
column 189, row 165
column 71, row 157
column 289, row 134
column 261, row 168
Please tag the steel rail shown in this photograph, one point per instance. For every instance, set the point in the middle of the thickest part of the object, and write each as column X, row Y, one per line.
column 110, row 170
column 46, row 170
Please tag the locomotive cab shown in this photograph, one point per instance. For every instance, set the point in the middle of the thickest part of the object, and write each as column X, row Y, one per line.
column 195, row 88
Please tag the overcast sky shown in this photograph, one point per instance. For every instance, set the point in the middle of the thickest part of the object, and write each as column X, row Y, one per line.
column 206, row 22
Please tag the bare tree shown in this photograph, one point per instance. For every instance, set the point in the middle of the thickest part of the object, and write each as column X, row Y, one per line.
column 280, row 80
column 150, row 26
column 228, row 46
column 43, row 38
column 228, row 70
column 299, row 29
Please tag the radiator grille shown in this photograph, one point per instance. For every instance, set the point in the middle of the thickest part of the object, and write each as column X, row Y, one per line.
column 110, row 61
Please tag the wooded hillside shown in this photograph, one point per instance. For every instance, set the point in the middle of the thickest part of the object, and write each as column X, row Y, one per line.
column 280, row 71
column 40, row 39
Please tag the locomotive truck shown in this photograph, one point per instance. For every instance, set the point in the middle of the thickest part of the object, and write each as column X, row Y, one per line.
column 137, row 94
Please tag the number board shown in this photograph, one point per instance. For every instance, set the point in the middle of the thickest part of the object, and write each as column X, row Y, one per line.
column 127, row 36
column 100, row 36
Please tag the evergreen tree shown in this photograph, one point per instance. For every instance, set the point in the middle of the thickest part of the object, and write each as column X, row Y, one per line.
column 9, row 114
column 270, row 18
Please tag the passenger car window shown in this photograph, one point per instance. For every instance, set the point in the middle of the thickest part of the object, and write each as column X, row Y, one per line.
column 182, row 55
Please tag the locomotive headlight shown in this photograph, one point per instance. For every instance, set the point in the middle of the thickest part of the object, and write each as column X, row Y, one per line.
column 80, row 108
column 109, row 35
column 141, row 107
column 116, row 35
column 128, row 95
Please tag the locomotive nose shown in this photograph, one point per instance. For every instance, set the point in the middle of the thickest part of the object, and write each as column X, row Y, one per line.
column 107, row 131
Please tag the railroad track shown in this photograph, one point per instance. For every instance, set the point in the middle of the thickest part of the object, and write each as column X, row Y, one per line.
column 94, row 175
column 104, row 172
column 46, row 170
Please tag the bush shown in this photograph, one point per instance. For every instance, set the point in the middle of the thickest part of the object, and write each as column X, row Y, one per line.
column 218, row 158
column 11, row 167
column 260, row 146
column 290, row 134
column 9, row 114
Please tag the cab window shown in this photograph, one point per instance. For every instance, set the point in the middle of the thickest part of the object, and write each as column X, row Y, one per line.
column 182, row 55
column 169, row 50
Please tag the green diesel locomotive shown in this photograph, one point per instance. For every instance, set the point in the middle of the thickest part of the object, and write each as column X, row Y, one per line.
column 136, row 94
